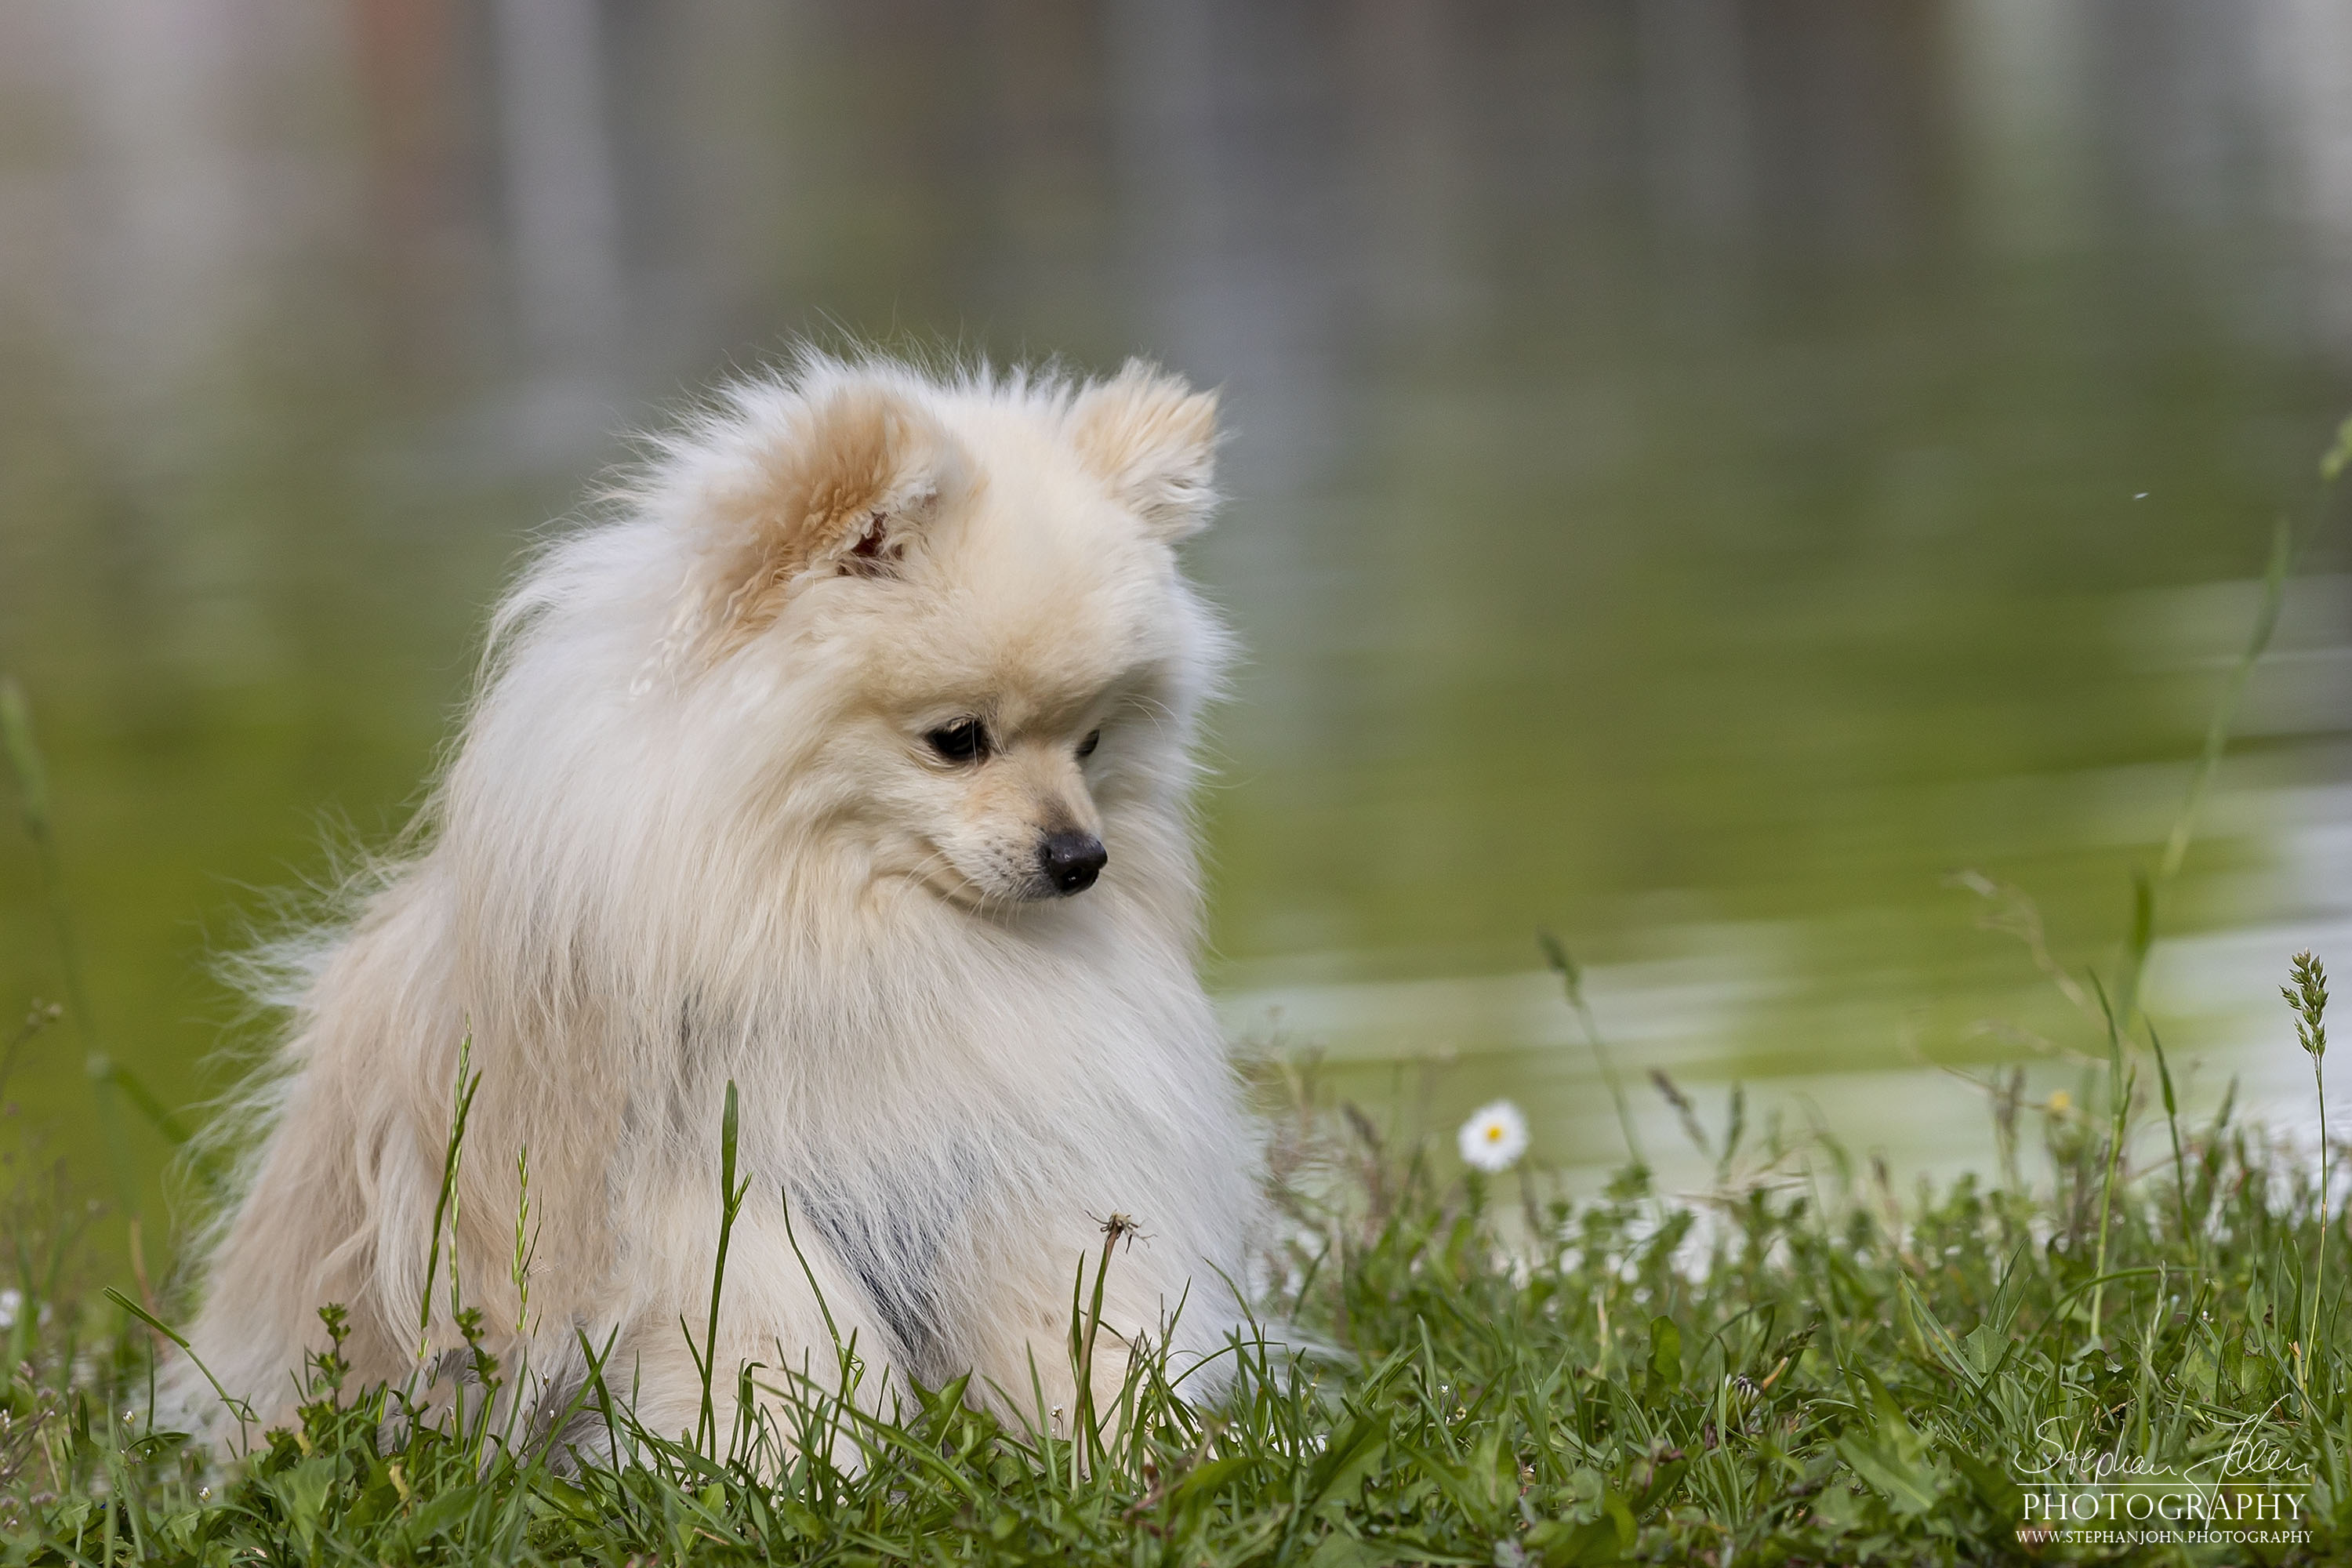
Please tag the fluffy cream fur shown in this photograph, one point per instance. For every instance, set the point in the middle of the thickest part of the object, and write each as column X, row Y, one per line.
column 695, row 831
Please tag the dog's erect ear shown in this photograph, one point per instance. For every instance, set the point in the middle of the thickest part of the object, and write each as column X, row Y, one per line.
column 829, row 480
column 1153, row 440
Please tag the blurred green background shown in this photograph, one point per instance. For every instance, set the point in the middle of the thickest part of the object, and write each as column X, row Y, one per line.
column 1701, row 473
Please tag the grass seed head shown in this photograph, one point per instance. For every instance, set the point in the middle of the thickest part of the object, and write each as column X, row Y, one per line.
column 2308, row 997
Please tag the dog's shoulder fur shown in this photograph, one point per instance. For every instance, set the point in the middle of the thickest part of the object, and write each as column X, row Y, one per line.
column 778, row 775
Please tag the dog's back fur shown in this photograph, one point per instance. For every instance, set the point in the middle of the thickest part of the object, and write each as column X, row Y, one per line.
column 691, row 834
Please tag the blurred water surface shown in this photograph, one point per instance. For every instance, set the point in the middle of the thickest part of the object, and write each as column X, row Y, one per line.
column 1702, row 473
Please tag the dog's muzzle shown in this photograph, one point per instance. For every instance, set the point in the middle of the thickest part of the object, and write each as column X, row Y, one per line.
column 1071, row 861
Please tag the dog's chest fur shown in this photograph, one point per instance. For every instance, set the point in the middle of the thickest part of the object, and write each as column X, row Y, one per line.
column 922, row 1161
column 898, row 1228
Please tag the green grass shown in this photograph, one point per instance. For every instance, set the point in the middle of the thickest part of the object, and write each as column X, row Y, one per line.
column 1796, row 1364
column 1793, row 1366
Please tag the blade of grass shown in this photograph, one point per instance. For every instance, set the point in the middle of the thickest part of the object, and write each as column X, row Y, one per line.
column 444, row 1205
column 1557, row 955
column 26, row 761
column 731, row 1203
column 2172, row 1123
column 2119, row 1091
column 2225, row 711
column 237, row 1407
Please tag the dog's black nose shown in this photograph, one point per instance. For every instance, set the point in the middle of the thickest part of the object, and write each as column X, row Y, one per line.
column 1071, row 861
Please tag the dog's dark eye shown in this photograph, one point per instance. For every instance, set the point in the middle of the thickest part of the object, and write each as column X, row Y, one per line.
column 964, row 741
column 1087, row 747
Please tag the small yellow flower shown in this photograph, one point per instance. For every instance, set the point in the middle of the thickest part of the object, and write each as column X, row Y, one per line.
column 2060, row 1103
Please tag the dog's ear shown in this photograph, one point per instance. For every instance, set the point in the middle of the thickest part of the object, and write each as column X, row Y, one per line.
column 1153, row 440
column 832, row 479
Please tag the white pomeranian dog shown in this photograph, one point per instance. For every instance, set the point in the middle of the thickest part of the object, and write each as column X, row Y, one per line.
column 847, row 762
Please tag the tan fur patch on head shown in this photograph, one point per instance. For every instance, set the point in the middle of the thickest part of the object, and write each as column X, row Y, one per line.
column 1153, row 440
column 841, row 487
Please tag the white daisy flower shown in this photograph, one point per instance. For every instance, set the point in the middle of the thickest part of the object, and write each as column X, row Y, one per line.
column 1494, row 1137
column 11, row 1303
